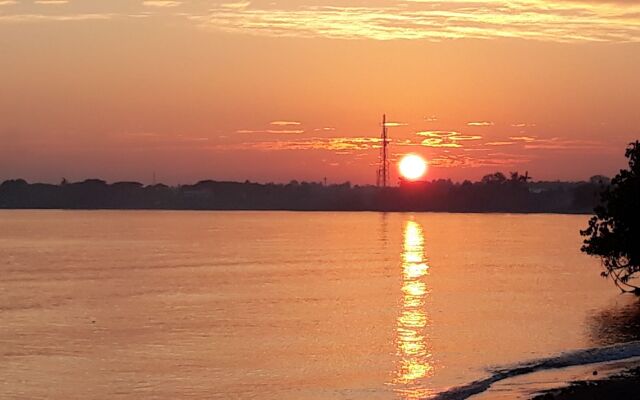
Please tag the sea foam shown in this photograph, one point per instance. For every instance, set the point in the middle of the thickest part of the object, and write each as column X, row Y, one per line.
column 568, row 359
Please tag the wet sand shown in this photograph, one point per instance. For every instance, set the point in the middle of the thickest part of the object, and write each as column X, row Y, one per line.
column 528, row 386
column 625, row 385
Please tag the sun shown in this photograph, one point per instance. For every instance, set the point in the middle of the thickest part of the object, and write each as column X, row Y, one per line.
column 412, row 167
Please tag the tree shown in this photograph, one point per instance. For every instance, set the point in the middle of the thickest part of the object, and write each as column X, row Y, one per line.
column 495, row 178
column 614, row 231
column 517, row 178
column 599, row 180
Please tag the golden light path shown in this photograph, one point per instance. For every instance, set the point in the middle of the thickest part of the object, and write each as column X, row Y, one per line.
column 415, row 356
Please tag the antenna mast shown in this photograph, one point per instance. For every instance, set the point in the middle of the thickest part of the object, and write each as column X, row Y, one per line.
column 383, row 170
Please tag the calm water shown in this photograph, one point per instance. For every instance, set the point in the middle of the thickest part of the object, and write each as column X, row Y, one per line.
column 275, row 305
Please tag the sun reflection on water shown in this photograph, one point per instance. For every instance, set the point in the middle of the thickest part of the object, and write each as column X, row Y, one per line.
column 413, row 351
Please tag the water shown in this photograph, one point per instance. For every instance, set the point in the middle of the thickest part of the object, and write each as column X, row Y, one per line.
column 279, row 305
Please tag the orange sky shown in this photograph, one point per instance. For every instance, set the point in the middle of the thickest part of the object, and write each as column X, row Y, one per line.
column 281, row 90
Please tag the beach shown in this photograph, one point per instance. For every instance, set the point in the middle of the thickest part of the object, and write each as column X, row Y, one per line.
column 624, row 385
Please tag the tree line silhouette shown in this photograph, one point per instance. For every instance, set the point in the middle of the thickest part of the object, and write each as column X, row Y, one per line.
column 493, row 193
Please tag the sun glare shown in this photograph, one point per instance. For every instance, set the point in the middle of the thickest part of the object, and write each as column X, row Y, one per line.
column 412, row 167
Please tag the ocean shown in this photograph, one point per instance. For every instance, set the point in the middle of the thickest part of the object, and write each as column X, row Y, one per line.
column 290, row 305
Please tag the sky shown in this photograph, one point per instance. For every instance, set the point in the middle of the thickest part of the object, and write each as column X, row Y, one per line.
column 272, row 91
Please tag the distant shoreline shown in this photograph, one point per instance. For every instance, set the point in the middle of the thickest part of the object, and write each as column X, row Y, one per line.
column 493, row 194
column 301, row 211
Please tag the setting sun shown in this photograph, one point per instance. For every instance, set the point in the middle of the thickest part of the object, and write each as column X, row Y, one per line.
column 412, row 167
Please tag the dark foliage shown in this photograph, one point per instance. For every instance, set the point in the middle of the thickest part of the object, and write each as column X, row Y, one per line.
column 494, row 193
column 614, row 231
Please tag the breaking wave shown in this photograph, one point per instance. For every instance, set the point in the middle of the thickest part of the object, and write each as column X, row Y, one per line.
column 568, row 359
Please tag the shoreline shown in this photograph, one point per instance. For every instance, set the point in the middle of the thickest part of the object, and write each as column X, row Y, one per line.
column 624, row 385
column 300, row 210
column 582, row 357
column 488, row 195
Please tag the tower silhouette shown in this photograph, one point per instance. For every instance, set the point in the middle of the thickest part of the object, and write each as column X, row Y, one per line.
column 382, row 178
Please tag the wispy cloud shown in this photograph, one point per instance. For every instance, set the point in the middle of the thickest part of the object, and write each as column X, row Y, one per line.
column 161, row 3
column 339, row 145
column 475, row 160
column 480, row 123
column 553, row 20
column 144, row 141
column 556, row 143
column 284, row 123
column 15, row 18
column 238, row 5
column 561, row 144
column 499, row 143
column 522, row 125
column 273, row 131
column 525, row 139
column 51, row 2
column 445, row 138
column 436, row 20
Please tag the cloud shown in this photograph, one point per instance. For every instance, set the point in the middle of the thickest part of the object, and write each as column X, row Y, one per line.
column 339, row 145
column 556, row 143
column 237, row 5
column 499, row 143
column 281, row 124
column 394, row 124
column 284, row 123
column 435, row 20
column 449, row 134
column 144, row 141
column 622, row 2
column 161, row 3
column 553, row 20
column 474, row 161
column 273, row 131
column 440, row 143
column 445, row 138
column 480, row 123
column 51, row 2
column 560, row 144
column 18, row 18
column 404, row 142
column 526, row 139
column 522, row 125
column 450, row 141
